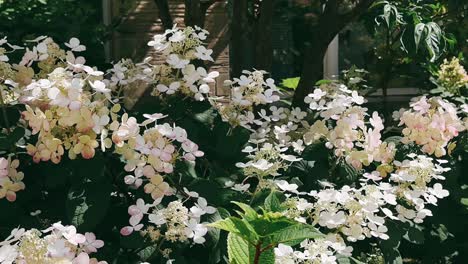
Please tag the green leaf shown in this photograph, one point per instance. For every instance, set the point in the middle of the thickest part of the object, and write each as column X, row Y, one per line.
column 464, row 201
column 206, row 117
column 249, row 213
column 241, row 252
column 9, row 140
column 272, row 203
column 392, row 256
column 415, row 235
column 441, row 232
column 395, row 232
column 146, row 253
column 418, row 32
column 237, row 226
column 13, row 114
column 213, row 233
column 133, row 241
column 87, row 204
column 266, row 226
column 88, row 170
column 238, row 250
column 55, row 176
column 347, row 260
column 290, row 83
column 432, row 35
column 295, row 234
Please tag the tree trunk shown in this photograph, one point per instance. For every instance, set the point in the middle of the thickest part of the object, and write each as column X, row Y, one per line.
column 239, row 30
column 164, row 13
column 192, row 14
column 263, row 37
column 312, row 71
column 329, row 25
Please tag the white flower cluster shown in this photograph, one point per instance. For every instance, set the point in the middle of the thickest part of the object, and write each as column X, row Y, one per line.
column 333, row 99
column 274, row 130
column 72, row 108
column 10, row 179
column 266, row 160
column 56, row 244
column 353, row 213
column 247, row 92
column 181, row 223
column 344, row 126
column 179, row 73
column 360, row 213
column 431, row 123
column 152, row 153
column 67, row 102
column 317, row 251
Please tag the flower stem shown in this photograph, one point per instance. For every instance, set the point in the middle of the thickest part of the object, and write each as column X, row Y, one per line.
column 258, row 251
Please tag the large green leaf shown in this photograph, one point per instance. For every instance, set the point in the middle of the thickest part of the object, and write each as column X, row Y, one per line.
column 265, row 226
column 432, row 35
column 87, row 204
column 237, row 226
column 88, row 170
column 294, row 234
column 12, row 113
column 392, row 256
column 249, row 213
column 213, row 233
column 8, row 141
column 241, row 252
column 415, row 235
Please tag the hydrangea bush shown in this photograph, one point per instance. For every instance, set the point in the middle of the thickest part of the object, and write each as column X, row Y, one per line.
column 182, row 177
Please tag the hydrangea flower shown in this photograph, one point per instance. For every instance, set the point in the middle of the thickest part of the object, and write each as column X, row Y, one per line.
column 56, row 244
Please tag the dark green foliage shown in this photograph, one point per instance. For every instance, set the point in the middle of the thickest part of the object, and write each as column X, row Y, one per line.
column 59, row 19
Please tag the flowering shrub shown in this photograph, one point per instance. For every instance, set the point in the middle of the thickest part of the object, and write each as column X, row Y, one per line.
column 56, row 244
column 159, row 181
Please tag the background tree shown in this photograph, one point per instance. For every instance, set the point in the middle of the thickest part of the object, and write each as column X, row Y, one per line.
column 251, row 38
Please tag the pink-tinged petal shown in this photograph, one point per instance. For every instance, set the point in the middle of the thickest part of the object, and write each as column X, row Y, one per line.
column 168, row 168
column 149, row 188
column 189, row 157
column 138, row 227
column 126, row 231
column 129, row 179
column 133, row 210
column 138, row 183
column 98, row 244
column 80, row 239
column 129, row 167
column 148, row 171
column 11, row 196
column 135, row 219
column 90, row 249
column 165, row 156
column 90, row 237
column 82, row 258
